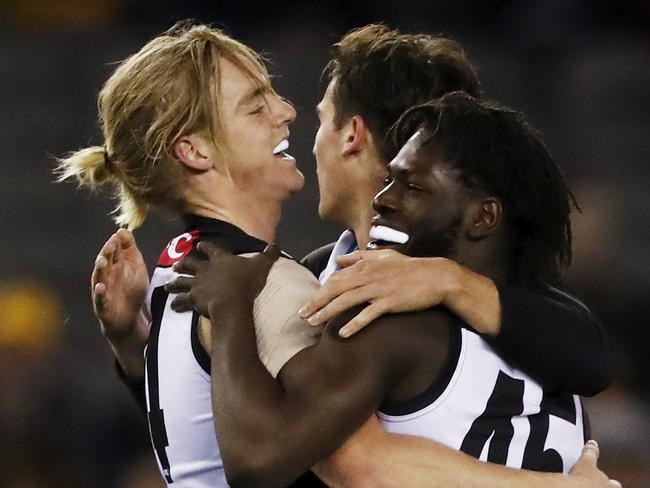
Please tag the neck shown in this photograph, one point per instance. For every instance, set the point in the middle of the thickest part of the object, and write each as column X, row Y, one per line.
column 257, row 217
column 360, row 224
column 372, row 172
column 485, row 258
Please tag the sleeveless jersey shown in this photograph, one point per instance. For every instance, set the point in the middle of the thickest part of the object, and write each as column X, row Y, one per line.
column 494, row 412
column 178, row 383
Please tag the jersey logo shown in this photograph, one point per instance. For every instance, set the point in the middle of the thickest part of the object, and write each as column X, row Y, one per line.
column 178, row 248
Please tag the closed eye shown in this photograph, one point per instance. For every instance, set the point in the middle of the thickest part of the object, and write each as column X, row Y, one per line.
column 257, row 110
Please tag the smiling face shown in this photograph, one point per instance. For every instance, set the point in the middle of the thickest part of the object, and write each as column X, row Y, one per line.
column 257, row 123
column 420, row 211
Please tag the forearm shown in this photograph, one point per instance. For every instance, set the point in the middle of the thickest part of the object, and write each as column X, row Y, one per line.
column 390, row 460
column 129, row 350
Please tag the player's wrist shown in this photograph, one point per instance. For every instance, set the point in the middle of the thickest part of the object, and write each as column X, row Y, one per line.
column 450, row 280
column 227, row 307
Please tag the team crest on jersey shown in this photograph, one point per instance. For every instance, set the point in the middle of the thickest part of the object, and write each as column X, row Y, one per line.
column 178, row 248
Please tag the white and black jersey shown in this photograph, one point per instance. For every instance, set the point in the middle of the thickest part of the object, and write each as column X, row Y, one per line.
column 494, row 412
column 178, row 383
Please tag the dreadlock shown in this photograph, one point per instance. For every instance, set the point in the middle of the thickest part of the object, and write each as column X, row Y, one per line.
column 497, row 151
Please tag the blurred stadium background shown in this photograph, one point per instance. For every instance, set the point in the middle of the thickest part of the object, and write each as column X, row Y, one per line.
column 579, row 68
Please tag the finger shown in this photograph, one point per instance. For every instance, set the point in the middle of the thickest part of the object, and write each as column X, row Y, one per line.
column 615, row 484
column 210, row 250
column 188, row 265
column 99, row 271
column 125, row 238
column 342, row 303
column 182, row 303
column 365, row 317
column 117, row 255
column 272, row 252
column 181, row 284
column 343, row 281
column 590, row 452
column 349, row 259
column 99, row 297
column 108, row 249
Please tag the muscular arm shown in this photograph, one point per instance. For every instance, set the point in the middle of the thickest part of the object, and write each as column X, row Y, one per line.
column 375, row 458
column 523, row 325
column 271, row 431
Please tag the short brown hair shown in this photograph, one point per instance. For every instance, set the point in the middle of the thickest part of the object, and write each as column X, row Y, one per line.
column 154, row 97
column 381, row 72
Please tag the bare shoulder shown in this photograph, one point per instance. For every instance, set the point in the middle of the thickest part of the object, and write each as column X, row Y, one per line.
column 411, row 348
column 289, row 271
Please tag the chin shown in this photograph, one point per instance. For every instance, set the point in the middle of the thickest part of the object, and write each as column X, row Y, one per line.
column 298, row 182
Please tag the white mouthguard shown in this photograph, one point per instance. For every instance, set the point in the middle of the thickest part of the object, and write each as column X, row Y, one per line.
column 383, row 233
column 283, row 146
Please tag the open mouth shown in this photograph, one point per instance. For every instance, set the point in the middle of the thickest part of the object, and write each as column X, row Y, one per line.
column 279, row 150
column 382, row 236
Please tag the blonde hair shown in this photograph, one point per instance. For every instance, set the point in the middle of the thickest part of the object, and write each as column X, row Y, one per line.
column 154, row 97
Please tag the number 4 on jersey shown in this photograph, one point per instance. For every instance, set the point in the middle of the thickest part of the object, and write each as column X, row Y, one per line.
column 495, row 423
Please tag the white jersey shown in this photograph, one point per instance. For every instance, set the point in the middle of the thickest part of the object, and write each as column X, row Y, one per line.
column 494, row 412
column 178, row 384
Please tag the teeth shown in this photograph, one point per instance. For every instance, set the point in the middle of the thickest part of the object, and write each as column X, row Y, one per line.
column 283, row 146
column 383, row 233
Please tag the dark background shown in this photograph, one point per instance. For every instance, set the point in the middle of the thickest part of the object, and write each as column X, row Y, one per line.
column 580, row 69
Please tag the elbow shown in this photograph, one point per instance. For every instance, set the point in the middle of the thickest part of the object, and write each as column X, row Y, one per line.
column 250, row 475
column 254, row 469
column 246, row 479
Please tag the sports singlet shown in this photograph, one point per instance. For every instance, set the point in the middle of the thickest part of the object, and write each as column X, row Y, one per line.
column 494, row 412
column 178, row 383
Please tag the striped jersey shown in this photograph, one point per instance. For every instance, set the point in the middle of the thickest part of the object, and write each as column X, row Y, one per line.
column 488, row 409
column 178, row 382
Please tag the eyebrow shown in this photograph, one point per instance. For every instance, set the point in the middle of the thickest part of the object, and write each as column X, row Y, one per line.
column 251, row 94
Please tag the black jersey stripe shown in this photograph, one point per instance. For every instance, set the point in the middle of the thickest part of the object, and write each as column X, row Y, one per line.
column 155, row 414
column 200, row 354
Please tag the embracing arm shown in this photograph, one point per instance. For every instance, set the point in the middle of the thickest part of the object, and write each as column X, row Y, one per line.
column 270, row 431
column 375, row 458
column 523, row 325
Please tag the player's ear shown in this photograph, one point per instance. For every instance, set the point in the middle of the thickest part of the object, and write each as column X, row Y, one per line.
column 356, row 135
column 195, row 152
column 483, row 218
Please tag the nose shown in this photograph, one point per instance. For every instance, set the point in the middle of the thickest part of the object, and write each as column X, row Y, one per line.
column 283, row 111
column 386, row 200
